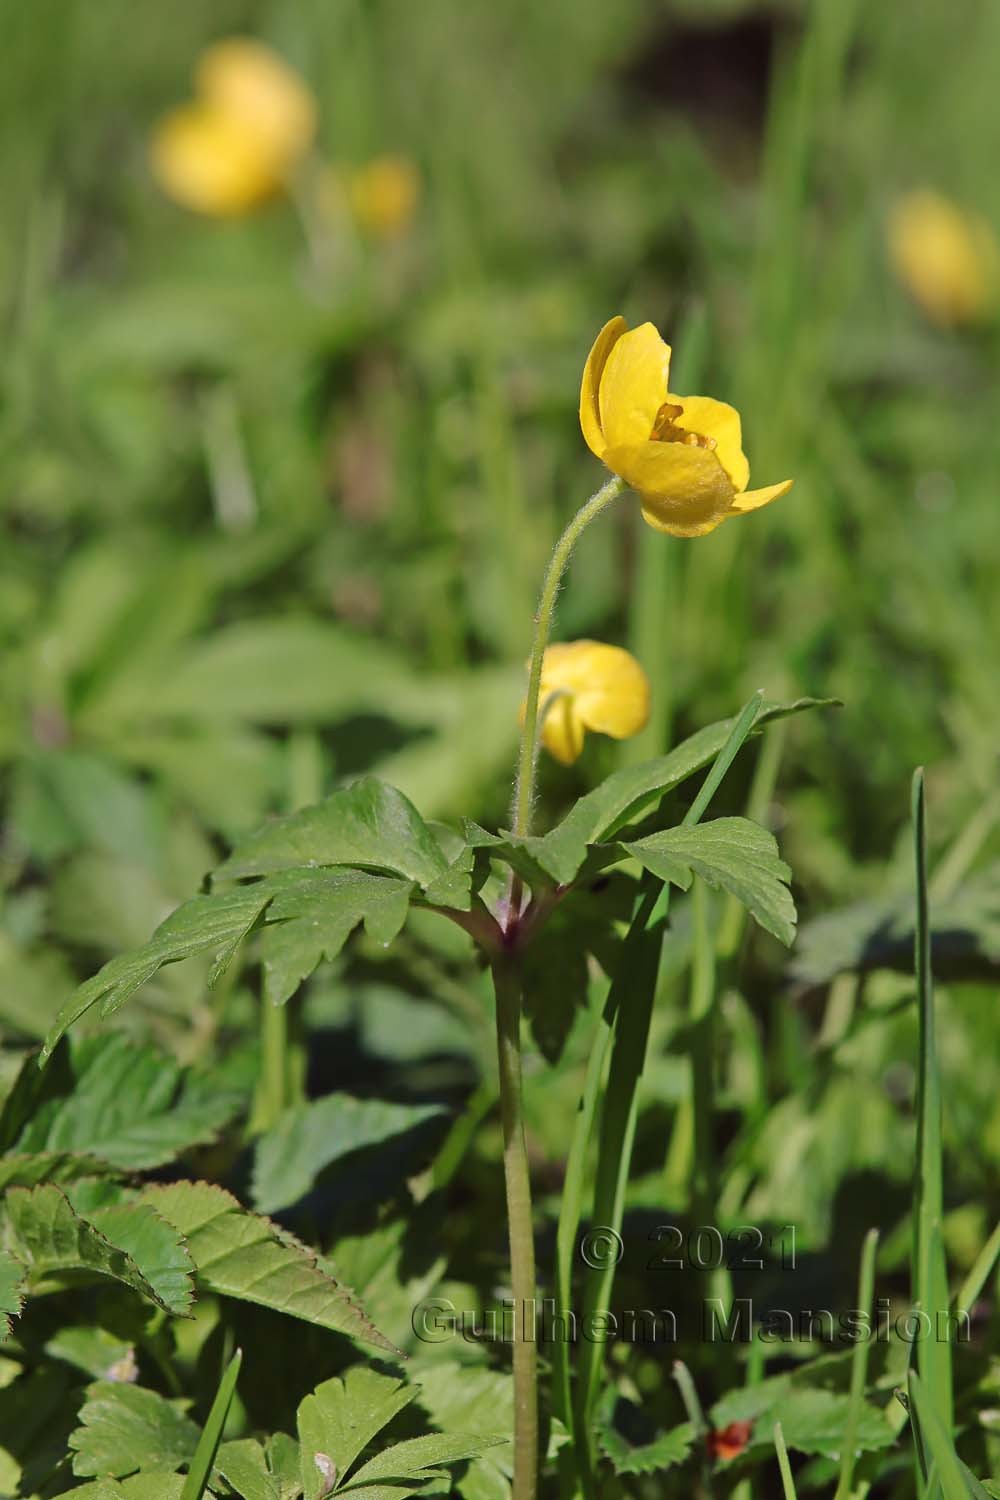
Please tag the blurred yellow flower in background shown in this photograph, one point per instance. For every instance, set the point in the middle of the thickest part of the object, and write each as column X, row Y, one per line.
column 947, row 258
column 683, row 455
column 238, row 142
column 589, row 685
column 384, row 194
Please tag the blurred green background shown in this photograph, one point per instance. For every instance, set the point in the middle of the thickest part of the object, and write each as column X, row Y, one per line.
column 274, row 508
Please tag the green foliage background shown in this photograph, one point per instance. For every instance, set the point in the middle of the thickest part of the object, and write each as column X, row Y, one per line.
column 268, row 522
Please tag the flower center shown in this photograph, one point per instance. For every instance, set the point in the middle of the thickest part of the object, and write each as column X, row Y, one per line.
column 665, row 429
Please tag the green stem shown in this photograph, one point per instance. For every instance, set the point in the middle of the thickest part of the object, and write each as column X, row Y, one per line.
column 524, row 791
column 272, row 1089
column 507, row 982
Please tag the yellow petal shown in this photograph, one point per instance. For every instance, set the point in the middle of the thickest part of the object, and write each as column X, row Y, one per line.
column 562, row 731
column 255, row 88
column 633, row 386
column 684, row 490
column 948, row 258
column 716, row 419
column 754, row 499
column 599, row 687
column 590, row 420
column 207, row 163
column 615, row 700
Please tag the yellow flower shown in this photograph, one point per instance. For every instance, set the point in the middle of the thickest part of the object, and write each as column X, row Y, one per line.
column 588, row 685
column 236, row 144
column 947, row 259
column 207, row 163
column 384, row 194
column 682, row 454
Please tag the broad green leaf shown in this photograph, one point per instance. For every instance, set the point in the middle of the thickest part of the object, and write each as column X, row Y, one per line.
column 243, row 1465
column 664, row 1452
column 12, row 1288
column 461, row 1398
column 558, row 855
column 42, row 1230
column 311, row 1137
column 155, row 1485
column 392, row 1266
column 815, row 1421
column 124, row 1428
column 102, row 1489
column 227, row 774
column 313, row 917
column 33, row 982
column 435, row 1482
column 100, row 1354
column 309, row 913
column 867, row 935
column 406, row 1460
column 50, row 1166
column 215, row 924
column 368, row 824
column 131, row 1106
column 238, row 1254
column 68, row 799
column 268, row 672
column 731, row 854
column 467, row 722
column 283, row 1460
column 154, row 1246
column 338, row 1421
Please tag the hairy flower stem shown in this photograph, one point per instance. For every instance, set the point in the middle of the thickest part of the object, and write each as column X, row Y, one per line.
column 524, row 791
column 507, row 982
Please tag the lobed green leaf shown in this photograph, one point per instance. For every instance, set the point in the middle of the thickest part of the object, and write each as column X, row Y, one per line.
column 311, row 919
column 214, row 924
column 731, row 854
column 125, row 1428
column 127, row 1106
column 43, row 1230
column 338, row 1420
column 239, row 1254
column 559, row 855
column 368, row 824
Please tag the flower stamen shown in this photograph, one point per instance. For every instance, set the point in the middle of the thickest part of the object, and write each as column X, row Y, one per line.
column 665, row 429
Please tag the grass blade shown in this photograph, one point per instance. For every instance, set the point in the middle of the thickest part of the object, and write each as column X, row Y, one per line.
column 636, row 979
column 937, row 1443
column 972, row 1287
column 208, row 1444
column 787, row 1482
column 930, row 1281
column 859, row 1368
column 571, row 1210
